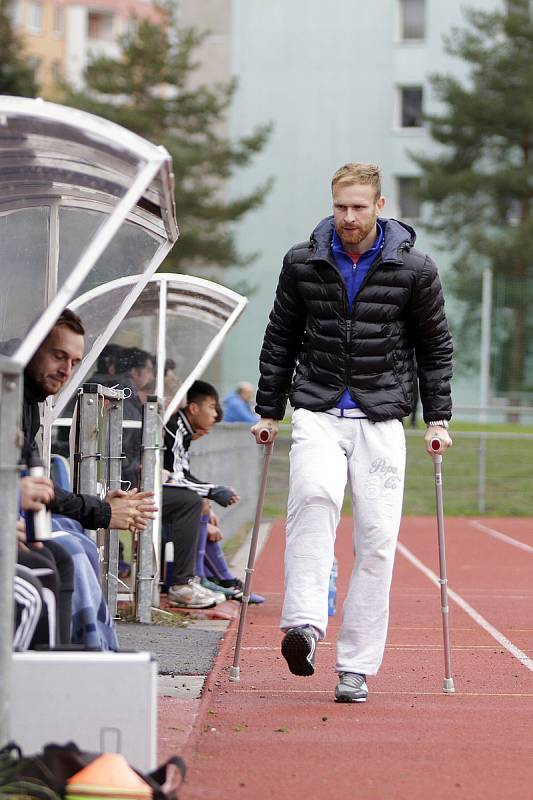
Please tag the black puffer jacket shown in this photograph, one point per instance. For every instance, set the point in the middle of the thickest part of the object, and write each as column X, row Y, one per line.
column 314, row 347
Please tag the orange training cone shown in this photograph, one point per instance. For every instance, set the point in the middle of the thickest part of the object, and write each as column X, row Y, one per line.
column 108, row 776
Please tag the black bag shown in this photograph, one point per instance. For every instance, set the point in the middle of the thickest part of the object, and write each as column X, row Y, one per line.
column 45, row 775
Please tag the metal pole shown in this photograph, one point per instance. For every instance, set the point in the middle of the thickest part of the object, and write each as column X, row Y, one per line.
column 486, row 314
column 114, row 473
column 88, row 457
column 149, row 539
column 10, row 409
column 481, row 503
column 47, row 434
column 448, row 686
column 161, row 340
column 234, row 673
column 89, row 454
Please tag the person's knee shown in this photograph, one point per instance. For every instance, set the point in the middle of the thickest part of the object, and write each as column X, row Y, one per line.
column 318, row 496
column 194, row 501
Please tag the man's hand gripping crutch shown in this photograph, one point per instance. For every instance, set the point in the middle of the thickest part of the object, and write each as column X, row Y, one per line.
column 437, row 440
column 265, row 431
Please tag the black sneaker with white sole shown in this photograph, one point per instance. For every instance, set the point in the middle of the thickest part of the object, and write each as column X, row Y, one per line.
column 351, row 688
column 298, row 649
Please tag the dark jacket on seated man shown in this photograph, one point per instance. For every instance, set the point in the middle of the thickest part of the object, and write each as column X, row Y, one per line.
column 88, row 510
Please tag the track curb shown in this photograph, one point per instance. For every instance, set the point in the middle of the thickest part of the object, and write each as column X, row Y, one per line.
column 218, row 671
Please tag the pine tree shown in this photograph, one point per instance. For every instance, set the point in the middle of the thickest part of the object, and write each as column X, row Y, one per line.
column 480, row 185
column 148, row 90
column 16, row 73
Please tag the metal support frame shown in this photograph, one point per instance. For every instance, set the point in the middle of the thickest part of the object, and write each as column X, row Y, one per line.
column 147, row 589
column 98, row 469
column 85, row 480
column 10, row 442
column 114, row 459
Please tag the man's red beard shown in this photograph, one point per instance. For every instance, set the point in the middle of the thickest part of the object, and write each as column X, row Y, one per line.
column 355, row 235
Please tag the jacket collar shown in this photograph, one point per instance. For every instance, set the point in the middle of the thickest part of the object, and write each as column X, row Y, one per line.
column 32, row 391
column 398, row 236
column 183, row 417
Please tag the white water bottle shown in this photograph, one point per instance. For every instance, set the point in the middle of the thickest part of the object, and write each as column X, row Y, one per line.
column 38, row 523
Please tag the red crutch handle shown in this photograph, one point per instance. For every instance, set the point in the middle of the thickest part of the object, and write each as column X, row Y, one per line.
column 265, row 435
column 436, row 444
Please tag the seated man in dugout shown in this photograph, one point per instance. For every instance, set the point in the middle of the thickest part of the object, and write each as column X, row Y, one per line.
column 47, row 372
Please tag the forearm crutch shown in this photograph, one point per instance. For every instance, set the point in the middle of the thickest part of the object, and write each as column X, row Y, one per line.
column 436, row 447
column 268, row 444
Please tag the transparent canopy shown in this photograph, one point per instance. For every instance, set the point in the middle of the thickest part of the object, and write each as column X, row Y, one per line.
column 82, row 201
column 178, row 319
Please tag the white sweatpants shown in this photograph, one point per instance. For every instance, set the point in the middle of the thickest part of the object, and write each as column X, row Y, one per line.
column 327, row 451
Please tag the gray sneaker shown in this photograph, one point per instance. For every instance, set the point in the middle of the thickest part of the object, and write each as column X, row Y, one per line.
column 351, row 688
column 190, row 595
column 219, row 597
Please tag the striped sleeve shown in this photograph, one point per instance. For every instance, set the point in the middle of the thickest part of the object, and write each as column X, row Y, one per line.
column 180, row 475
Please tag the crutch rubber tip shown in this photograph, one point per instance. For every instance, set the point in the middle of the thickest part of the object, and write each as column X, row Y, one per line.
column 264, row 436
column 448, row 687
column 234, row 674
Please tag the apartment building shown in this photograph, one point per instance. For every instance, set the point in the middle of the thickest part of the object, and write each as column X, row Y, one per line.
column 61, row 36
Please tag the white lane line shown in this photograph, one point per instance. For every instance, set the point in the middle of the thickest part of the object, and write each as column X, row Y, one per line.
column 501, row 536
column 475, row 615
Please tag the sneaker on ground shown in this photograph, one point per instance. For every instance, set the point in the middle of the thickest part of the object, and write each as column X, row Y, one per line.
column 351, row 688
column 218, row 596
column 238, row 586
column 229, row 592
column 298, row 649
column 190, row 595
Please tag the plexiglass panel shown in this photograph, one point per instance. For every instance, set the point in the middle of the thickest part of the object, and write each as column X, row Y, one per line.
column 129, row 253
column 186, row 341
column 24, row 260
column 196, row 313
column 77, row 226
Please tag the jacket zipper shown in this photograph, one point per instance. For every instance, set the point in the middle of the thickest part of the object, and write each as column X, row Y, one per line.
column 377, row 263
column 347, row 356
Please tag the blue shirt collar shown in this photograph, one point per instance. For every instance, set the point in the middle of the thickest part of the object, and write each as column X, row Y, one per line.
column 337, row 247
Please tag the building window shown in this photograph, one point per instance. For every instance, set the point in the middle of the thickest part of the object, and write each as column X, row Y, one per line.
column 58, row 21
column 35, row 17
column 130, row 26
column 34, row 62
column 515, row 6
column 100, row 26
column 57, row 71
column 412, row 20
column 410, row 102
column 408, row 194
column 13, row 10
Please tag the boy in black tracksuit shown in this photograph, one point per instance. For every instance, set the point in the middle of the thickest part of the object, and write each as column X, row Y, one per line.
column 185, row 497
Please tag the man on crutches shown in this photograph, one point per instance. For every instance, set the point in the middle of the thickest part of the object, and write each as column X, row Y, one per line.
column 354, row 305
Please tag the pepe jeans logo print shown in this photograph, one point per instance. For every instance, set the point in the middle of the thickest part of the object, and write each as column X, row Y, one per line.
column 381, row 467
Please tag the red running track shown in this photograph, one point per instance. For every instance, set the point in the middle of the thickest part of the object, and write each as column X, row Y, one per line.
column 276, row 735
